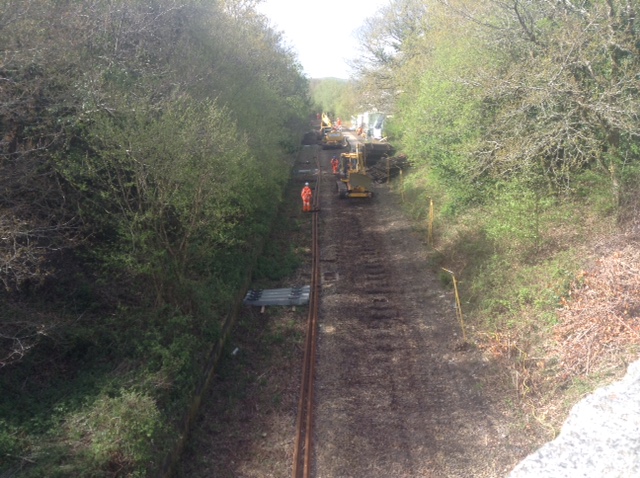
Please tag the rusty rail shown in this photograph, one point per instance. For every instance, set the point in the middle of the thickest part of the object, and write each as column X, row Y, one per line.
column 303, row 446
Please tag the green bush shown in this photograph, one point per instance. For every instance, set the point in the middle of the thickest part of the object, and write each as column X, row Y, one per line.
column 9, row 440
column 515, row 217
column 116, row 432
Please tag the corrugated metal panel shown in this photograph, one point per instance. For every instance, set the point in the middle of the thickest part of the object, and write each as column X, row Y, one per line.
column 291, row 296
column 306, row 172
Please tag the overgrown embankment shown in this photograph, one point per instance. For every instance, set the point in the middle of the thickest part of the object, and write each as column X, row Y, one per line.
column 548, row 287
column 521, row 124
column 144, row 152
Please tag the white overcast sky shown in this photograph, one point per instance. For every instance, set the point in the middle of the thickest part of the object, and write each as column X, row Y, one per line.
column 322, row 33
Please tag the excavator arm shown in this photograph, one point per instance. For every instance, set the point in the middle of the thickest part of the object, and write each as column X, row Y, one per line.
column 326, row 122
column 355, row 183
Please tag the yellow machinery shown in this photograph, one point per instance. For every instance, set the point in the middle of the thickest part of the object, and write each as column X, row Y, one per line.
column 326, row 121
column 325, row 126
column 354, row 182
column 334, row 139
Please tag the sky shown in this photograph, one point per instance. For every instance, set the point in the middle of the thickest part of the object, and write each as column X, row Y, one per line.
column 321, row 33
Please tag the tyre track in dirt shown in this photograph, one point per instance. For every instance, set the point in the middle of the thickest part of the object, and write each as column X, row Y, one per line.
column 397, row 395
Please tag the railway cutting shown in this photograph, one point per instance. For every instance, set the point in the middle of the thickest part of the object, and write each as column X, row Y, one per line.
column 397, row 392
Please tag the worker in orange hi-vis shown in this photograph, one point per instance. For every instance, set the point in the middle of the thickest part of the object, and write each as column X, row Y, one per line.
column 334, row 164
column 306, row 198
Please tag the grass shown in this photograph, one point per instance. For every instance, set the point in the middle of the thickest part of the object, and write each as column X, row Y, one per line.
column 106, row 396
column 516, row 258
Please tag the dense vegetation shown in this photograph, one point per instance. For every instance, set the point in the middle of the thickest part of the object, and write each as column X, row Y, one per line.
column 334, row 96
column 141, row 163
column 521, row 120
column 142, row 157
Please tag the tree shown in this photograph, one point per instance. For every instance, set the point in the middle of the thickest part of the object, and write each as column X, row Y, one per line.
column 333, row 96
column 145, row 146
column 568, row 101
column 84, row 82
column 388, row 41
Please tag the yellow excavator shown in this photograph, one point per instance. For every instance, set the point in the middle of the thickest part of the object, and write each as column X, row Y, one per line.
column 329, row 136
column 354, row 182
column 334, row 139
column 325, row 126
column 326, row 121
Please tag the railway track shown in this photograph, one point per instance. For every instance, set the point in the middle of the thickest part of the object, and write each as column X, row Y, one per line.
column 390, row 392
column 357, row 268
column 368, row 277
column 303, row 444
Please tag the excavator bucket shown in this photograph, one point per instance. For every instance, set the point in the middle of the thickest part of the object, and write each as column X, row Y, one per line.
column 357, row 186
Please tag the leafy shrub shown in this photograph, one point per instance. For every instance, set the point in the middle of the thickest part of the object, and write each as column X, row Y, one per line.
column 116, row 432
column 515, row 218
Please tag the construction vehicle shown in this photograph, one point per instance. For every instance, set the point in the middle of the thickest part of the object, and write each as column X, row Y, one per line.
column 354, row 182
column 326, row 121
column 334, row 139
column 325, row 126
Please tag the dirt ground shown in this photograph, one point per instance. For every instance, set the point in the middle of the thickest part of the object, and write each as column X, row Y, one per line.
column 399, row 393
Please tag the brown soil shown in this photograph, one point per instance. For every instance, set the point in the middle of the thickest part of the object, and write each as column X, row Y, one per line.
column 399, row 393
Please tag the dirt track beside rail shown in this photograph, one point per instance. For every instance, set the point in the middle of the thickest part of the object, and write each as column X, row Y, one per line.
column 398, row 392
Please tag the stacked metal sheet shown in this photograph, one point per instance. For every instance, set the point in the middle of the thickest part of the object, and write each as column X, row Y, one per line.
column 290, row 296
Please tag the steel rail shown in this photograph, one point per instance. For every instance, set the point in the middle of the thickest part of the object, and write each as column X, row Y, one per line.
column 303, row 446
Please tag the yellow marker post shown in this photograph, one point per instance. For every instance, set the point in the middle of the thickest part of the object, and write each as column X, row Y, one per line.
column 458, row 306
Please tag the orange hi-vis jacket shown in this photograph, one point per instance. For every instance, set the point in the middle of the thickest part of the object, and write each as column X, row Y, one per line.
column 306, row 198
column 306, row 194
